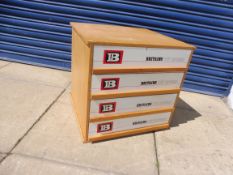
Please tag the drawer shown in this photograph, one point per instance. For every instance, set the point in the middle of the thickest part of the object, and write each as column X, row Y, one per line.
column 107, row 107
column 117, row 56
column 128, row 123
column 143, row 81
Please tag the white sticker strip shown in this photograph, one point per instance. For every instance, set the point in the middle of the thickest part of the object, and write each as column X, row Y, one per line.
column 123, row 82
column 107, row 107
column 128, row 123
column 118, row 56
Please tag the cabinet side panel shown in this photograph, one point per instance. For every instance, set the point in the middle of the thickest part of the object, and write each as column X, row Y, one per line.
column 81, row 60
column 181, row 84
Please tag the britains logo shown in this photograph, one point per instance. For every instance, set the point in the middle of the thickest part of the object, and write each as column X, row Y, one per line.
column 109, row 83
column 113, row 56
column 107, row 107
column 104, row 127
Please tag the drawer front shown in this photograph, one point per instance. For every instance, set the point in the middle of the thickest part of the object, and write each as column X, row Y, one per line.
column 128, row 123
column 107, row 107
column 117, row 56
column 125, row 82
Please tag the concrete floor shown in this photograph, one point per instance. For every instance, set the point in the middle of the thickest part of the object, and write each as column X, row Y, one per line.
column 39, row 133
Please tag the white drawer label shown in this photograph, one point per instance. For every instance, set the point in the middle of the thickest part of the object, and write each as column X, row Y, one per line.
column 118, row 56
column 128, row 123
column 106, row 107
column 125, row 82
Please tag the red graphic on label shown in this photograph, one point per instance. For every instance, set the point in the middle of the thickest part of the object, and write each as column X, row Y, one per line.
column 104, row 127
column 107, row 107
column 110, row 83
column 113, row 56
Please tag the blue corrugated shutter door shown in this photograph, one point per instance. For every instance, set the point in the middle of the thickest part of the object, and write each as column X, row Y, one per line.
column 38, row 32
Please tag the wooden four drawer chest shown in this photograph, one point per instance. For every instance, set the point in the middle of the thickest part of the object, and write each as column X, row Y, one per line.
column 125, row 80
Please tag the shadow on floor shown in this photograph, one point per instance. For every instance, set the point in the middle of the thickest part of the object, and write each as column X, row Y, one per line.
column 183, row 113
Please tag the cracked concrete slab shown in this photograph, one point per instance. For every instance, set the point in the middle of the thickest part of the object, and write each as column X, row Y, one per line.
column 21, row 103
column 2, row 156
column 3, row 63
column 38, row 75
column 23, row 165
column 66, row 97
column 199, row 141
column 57, row 137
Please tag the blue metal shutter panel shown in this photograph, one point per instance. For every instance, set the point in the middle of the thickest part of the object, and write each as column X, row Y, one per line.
column 38, row 32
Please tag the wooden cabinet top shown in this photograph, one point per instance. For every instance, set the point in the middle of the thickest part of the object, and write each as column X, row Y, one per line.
column 126, row 36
